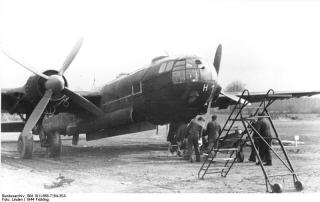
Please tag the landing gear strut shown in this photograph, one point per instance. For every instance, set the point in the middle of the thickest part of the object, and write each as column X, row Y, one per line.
column 54, row 147
column 75, row 139
column 25, row 146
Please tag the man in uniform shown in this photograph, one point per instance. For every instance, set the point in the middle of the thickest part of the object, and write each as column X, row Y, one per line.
column 255, row 138
column 213, row 131
column 194, row 130
column 181, row 139
column 263, row 127
column 171, row 137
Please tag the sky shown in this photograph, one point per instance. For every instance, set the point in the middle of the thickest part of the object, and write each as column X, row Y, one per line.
column 266, row 44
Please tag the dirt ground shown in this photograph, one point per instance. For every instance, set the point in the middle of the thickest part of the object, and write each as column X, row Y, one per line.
column 141, row 163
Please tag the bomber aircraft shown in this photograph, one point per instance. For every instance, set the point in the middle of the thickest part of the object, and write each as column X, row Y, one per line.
column 170, row 90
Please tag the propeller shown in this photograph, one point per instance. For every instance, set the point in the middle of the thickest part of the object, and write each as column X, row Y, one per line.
column 36, row 114
column 217, row 59
column 53, row 84
column 71, row 56
column 234, row 98
column 24, row 66
column 217, row 88
column 216, row 64
column 83, row 102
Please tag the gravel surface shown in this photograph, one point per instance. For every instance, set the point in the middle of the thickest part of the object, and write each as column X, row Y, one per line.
column 141, row 163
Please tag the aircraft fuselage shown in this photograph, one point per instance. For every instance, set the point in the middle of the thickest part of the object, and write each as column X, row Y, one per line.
column 170, row 89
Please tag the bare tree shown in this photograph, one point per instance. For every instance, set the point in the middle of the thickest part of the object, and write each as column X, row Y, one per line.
column 235, row 86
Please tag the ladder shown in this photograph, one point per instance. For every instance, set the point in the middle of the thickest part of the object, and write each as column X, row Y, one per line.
column 215, row 164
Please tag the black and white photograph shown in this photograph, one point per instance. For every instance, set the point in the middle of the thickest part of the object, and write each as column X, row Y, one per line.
column 159, row 97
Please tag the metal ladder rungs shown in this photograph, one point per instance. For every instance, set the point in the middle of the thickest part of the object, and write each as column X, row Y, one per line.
column 221, row 150
column 283, row 174
column 231, row 139
column 222, row 159
column 212, row 172
column 235, row 119
column 261, row 116
column 253, row 107
column 226, row 149
column 215, row 168
column 250, row 118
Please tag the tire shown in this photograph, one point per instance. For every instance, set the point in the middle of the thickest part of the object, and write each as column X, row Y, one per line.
column 25, row 146
column 298, row 185
column 240, row 157
column 54, row 148
column 276, row 188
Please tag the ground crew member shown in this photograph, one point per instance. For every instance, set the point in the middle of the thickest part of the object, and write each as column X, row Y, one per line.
column 171, row 137
column 194, row 130
column 181, row 139
column 213, row 130
column 255, row 138
column 263, row 127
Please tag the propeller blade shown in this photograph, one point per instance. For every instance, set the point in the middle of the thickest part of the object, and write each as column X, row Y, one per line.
column 36, row 114
column 71, row 56
column 234, row 98
column 215, row 91
column 83, row 102
column 217, row 58
column 28, row 68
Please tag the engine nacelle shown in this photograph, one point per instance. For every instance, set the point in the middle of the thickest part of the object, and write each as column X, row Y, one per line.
column 35, row 88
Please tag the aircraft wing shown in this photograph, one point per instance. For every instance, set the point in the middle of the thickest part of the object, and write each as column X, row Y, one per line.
column 226, row 99
column 10, row 99
column 16, row 100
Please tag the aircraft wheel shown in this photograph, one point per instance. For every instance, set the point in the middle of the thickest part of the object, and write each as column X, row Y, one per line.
column 25, row 146
column 276, row 188
column 298, row 185
column 54, row 148
column 240, row 157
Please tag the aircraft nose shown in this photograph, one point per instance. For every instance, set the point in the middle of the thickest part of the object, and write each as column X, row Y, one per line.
column 193, row 95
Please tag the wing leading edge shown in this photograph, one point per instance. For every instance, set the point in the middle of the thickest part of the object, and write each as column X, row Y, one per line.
column 17, row 101
column 226, row 99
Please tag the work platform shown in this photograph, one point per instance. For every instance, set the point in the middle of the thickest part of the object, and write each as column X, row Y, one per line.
column 221, row 158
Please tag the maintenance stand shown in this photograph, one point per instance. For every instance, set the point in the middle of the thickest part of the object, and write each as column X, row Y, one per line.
column 215, row 164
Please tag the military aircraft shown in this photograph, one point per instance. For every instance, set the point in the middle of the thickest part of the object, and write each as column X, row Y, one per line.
column 169, row 90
